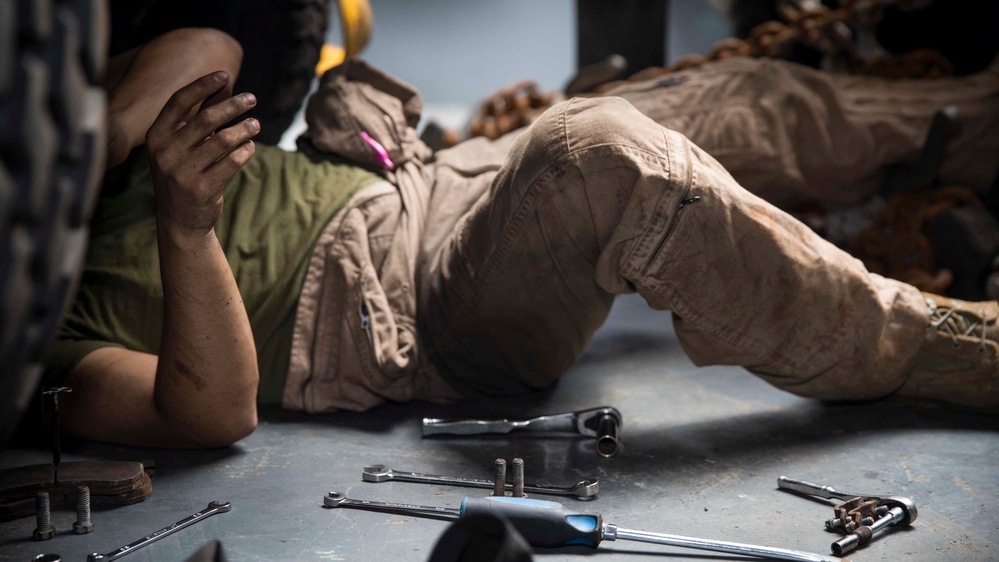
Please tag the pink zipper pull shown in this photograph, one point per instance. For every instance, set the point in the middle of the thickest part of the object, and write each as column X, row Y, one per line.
column 379, row 150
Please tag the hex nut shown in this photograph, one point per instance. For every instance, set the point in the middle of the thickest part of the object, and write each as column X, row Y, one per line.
column 83, row 528
column 43, row 534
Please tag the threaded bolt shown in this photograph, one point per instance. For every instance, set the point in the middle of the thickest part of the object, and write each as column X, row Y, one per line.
column 83, row 524
column 518, row 478
column 499, row 478
column 43, row 518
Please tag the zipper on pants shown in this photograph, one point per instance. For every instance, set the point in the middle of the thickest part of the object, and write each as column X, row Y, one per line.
column 672, row 225
column 365, row 317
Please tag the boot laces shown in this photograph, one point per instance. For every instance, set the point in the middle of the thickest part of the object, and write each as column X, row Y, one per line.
column 956, row 322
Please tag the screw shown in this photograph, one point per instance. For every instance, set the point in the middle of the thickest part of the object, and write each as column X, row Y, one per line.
column 499, row 480
column 518, row 478
column 43, row 517
column 83, row 524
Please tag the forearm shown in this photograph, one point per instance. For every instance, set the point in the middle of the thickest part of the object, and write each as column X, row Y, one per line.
column 207, row 376
column 201, row 390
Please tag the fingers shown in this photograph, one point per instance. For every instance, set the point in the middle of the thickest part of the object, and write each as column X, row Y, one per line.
column 223, row 169
column 183, row 101
column 211, row 118
column 223, row 142
column 223, row 94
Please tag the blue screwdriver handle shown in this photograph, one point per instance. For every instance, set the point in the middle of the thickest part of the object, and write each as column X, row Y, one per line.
column 543, row 523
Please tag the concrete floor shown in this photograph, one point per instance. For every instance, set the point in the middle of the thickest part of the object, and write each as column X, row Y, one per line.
column 702, row 452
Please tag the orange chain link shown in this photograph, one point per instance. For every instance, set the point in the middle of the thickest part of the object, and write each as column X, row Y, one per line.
column 827, row 29
column 808, row 22
column 897, row 245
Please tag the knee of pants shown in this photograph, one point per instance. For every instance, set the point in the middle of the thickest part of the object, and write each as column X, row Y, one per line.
column 579, row 124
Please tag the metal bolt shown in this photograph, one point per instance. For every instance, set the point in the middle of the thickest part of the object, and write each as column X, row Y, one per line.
column 518, row 478
column 499, row 480
column 83, row 524
column 43, row 517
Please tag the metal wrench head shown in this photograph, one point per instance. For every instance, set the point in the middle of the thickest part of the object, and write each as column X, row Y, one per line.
column 588, row 421
column 377, row 473
column 586, row 489
column 220, row 506
column 333, row 499
column 909, row 510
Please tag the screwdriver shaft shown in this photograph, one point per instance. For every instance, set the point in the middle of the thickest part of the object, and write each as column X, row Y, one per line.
column 613, row 532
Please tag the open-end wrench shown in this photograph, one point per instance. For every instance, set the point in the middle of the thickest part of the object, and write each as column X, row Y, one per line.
column 582, row 490
column 213, row 508
column 603, row 422
column 548, row 525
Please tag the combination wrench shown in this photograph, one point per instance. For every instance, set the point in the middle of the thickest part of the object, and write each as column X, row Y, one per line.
column 213, row 508
column 582, row 490
column 548, row 525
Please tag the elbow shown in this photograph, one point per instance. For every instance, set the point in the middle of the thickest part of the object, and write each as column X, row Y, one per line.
column 225, row 432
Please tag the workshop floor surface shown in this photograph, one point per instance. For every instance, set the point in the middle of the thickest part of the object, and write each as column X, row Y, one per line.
column 703, row 449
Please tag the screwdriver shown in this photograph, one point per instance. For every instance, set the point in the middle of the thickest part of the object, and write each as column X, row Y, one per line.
column 548, row 524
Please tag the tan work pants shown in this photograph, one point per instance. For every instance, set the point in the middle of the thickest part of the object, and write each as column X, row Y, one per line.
column 595, row 199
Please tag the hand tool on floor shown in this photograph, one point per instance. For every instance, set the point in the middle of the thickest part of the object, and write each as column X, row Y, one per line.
column 603, row 422
column 213, row 508
column 860, row 516
column 583, row 490
column 549, row 525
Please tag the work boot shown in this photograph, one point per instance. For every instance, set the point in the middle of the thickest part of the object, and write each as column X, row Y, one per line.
column 959, row 362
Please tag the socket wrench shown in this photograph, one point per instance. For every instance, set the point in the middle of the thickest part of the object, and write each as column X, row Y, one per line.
column 603, row 422
column 213, row 508
column 894, row 510
column 582, row 490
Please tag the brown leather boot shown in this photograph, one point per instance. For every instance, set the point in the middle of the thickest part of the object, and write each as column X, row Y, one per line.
column 959, row 362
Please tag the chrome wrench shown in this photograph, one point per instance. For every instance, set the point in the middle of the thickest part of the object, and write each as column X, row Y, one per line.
column 547, row 524
column 213, row 508
column 603, row 422
column 582, row 490
column 336, row 499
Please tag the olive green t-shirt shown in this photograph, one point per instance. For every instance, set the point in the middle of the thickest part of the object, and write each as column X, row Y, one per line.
column 274, row 210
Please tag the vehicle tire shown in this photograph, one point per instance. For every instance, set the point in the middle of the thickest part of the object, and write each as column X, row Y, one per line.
column 52, row 144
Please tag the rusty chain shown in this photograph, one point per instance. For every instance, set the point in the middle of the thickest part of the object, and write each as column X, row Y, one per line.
column 809, row 23
column 897, row 243
column 829, row 30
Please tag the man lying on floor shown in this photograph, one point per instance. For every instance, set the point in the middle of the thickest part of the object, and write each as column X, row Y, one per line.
column 222, row 274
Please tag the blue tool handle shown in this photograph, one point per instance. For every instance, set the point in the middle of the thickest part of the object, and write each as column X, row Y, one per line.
column 543, row 523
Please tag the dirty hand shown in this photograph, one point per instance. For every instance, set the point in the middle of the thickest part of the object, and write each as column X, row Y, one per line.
column 192, row 161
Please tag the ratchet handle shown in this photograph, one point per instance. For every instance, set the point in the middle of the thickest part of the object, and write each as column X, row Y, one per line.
column 543, row 523
column 437, row 426
column 810, row 488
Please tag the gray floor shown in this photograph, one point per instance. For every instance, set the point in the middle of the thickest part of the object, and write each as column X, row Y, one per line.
column 703, row 450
